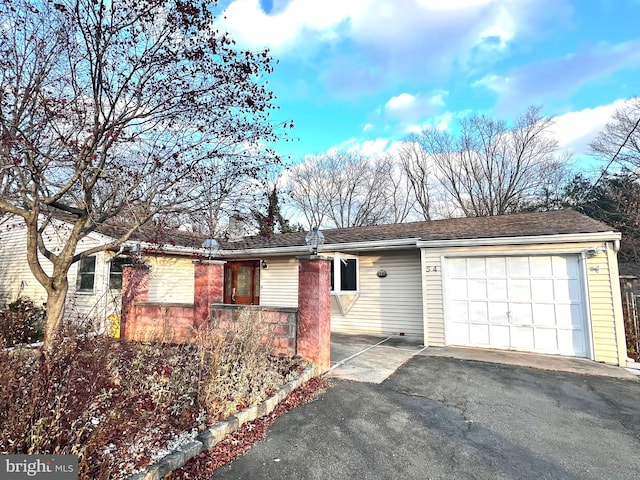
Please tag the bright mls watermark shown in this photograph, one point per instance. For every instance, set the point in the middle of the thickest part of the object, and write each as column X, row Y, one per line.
column 50, row 467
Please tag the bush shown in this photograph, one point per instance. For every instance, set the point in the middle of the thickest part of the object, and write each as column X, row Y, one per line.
column 21, row 322
column 115, row 403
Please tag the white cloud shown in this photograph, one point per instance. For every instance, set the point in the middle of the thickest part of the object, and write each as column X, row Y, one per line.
column 410, row 108
column 376, row 42
column 503, row 29
column 401, row 101
column 439, row 122
column 575, row 130
column 368, row 148
column 367, row 127
column 253, row 28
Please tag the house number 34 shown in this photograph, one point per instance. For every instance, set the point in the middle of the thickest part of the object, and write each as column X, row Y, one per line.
column 432, row 269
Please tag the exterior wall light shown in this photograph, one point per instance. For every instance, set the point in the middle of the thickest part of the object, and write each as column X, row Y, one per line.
column 594, row 251
column 314, row 239
column 381, row 273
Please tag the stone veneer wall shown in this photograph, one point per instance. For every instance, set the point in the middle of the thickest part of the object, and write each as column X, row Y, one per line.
column 280, row 321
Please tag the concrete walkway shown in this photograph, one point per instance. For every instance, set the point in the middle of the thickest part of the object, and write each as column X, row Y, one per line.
column 366, row 358
column 373, row 359
column 554, row 363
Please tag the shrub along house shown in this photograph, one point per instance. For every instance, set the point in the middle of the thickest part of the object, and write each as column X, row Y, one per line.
column 540, row 282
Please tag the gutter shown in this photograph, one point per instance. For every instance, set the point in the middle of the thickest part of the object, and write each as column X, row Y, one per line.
column 327, row 247
column 524, row 240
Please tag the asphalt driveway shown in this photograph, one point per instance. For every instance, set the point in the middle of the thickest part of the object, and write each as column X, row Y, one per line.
column 441, row 418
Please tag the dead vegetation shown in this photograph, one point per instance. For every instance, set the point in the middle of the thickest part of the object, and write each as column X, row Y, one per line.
column 116, row 404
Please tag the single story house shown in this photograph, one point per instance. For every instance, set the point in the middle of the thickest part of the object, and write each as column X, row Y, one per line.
column 541, row 282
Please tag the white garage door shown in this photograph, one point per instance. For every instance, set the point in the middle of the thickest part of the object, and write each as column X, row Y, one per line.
column 532, row 303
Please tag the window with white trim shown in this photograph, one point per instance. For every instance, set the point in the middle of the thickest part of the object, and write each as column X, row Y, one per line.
column 86, row 274
column 344, row 274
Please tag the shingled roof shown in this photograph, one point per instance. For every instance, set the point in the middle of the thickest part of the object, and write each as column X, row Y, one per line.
column 526, row 224
column 521, row 225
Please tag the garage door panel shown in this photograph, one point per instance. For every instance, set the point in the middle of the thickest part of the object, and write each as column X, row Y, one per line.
column 496, row 267
column 498, row 312
column 459, row 310
column 569, row 316
column 519, row 267
column 565, row 267
column 523, row 336
column 567, row 291
column 521, row 313
column 544, row 337
column 477, row 289
column 479, row 334
column 478, row 312
column 520, row 290
column 458, row 289
column 544, row 314
column 457, row 268
column 500, row 335
column 571, row 343
column 542, row 290
column 497, row 289
column 541, row 266
column 533, row 303
column 459, row 334
column 476, row 267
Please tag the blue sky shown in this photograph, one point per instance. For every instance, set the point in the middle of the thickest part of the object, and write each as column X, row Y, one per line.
column 361, row 74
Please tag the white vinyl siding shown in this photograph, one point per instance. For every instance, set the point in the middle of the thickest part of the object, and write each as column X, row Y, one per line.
column 390, row 305
column 171, row 279
column 17, row 280
column 279, row 282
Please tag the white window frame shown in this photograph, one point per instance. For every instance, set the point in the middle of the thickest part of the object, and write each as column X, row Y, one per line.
column 79, row 275
column 337, row 276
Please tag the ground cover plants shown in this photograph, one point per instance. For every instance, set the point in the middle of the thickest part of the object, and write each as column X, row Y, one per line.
column 117, row 404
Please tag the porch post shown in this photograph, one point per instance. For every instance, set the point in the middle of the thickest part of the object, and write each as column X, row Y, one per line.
column 314, row 310
column 135, row 288
column 208, row 288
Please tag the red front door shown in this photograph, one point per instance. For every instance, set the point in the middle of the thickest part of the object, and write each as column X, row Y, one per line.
column 242, row 282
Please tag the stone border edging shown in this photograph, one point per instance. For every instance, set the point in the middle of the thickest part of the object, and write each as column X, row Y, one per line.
column 213, row 435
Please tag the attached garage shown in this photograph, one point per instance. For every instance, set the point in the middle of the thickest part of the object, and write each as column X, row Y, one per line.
column 531, row 303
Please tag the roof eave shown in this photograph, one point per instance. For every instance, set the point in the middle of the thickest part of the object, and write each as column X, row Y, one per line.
column 327, row 247
column 523, row 240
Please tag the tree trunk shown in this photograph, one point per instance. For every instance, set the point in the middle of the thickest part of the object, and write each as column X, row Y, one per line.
column 56, row 297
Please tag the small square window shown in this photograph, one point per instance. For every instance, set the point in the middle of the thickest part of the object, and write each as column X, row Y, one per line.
column 86, row 274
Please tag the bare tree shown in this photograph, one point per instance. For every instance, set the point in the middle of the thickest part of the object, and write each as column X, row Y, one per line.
column 346, row 189
column 118, row 110
column 619, row 141
column 418, row 170
column 489, row 167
